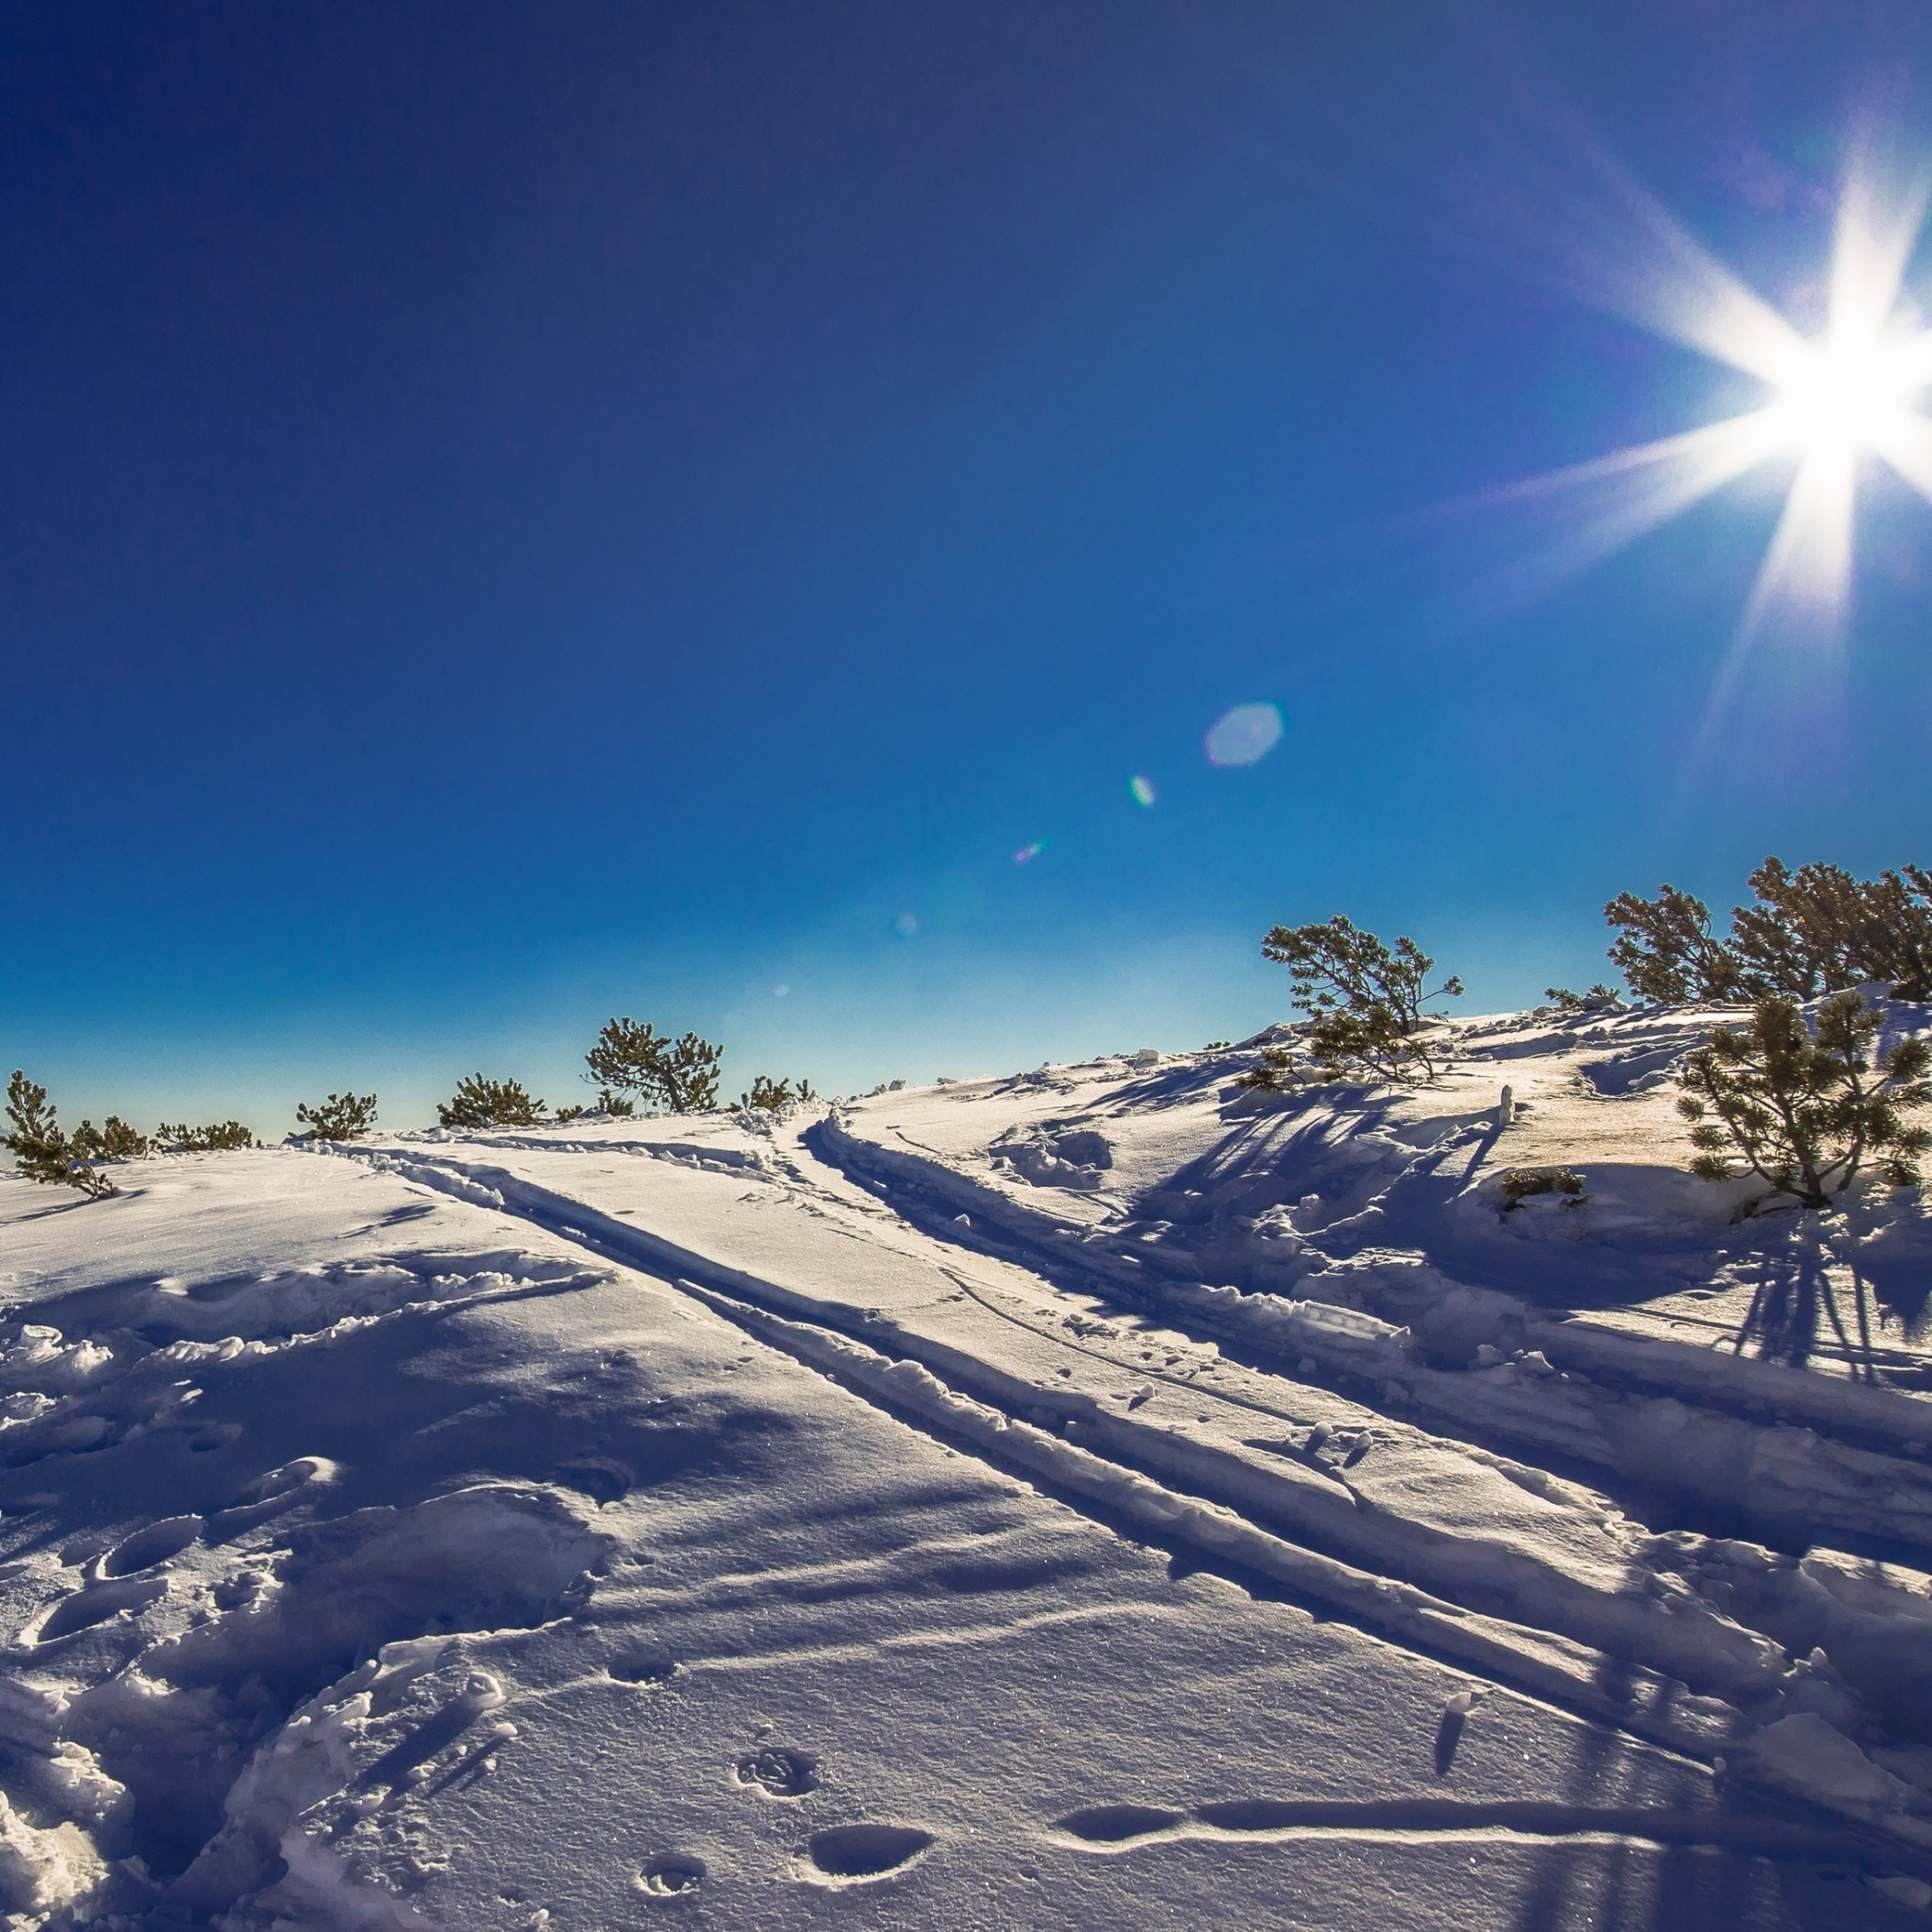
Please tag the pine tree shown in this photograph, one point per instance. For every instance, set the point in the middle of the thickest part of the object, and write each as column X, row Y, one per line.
column 482, row 1102
column 113, row 1140
column 680, row 1074
column 1666, row 950
column 1805, row 1111
column 1821, row 930
column 1365, row 999
column 1898, row 930
column 204, row 1140
column 1816, row 930
column 1804, row 936
column 341, row 1117
column 41, row 1150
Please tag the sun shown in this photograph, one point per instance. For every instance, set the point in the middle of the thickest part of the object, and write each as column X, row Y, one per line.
column 1847, row 394
column 1832, row 401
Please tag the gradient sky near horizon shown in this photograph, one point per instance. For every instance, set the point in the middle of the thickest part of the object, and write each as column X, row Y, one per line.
column 747, row 516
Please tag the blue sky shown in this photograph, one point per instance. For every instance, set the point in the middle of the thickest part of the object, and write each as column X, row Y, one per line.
column 516, row 514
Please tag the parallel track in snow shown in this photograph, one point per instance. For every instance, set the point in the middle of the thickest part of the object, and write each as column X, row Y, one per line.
column 1175, row 1492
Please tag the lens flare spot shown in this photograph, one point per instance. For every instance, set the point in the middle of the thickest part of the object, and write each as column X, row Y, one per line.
column 1142, row 790
column 1244, row 735
column 1027, row 854
column 779, row 991
column 906, row 925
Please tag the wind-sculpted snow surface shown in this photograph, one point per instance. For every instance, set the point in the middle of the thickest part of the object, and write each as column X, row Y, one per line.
column 1105, row 1496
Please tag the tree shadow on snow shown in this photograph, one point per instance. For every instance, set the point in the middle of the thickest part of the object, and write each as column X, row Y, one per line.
column 1812, row 1303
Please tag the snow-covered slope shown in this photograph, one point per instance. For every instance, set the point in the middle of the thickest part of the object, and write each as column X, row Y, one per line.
column 1101, row 1497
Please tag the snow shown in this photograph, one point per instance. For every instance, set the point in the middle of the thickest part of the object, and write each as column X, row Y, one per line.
column 1102, row 1495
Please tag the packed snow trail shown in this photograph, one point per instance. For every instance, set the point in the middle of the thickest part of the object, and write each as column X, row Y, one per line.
column 1568, row 1672
column 543, row 1530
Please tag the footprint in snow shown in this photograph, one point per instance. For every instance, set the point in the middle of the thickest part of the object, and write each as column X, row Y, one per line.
column 601, row 1477
column 1114, row 1825
column 645, row 1664
column 671, row 1875
column 152, row 1545
column 782, row 1772
column 866, row 1850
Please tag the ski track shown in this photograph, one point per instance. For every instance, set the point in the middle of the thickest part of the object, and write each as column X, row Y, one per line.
column 1101, row 1462
column 1300, row 1398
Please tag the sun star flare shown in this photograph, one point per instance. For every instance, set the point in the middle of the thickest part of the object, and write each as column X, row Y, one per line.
column 1837, row 399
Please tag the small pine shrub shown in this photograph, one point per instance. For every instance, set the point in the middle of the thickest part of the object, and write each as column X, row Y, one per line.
column 113, row 1140
column 571, row 1113
column 1812, row 931
column 41, row 1150
column 1518, row 1184
column 679, row 1075
column 1599, row 999
column 1273, row 1073
column 1363, row 999
column 214, row 1139
column 341, row 1117
column 482, row 1102
column 768, row 1094
column 1805, row 1111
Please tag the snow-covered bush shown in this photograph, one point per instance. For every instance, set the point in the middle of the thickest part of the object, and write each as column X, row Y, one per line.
column 341, row 1117
column 1805, row 1111
column 1518, row 1184
column 680, row 1074
column 1365, row 999
column 479, row 1101
column 43, row 1150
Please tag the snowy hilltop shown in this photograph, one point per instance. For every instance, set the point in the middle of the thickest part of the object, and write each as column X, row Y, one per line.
column 1171, row 1490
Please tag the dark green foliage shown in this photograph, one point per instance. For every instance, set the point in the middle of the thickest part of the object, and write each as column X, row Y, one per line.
column 203, row 1140
column 1665, row 950
column 1273, row 1073
column 113, row 1141
column 1804, row 1111
column 1598, row 999
column 615, row 1104
column 41, row 1150
column 482, row 1102
column 680, row 1074
column 565, row 1114
column 1820, row 931
column 341, row 1117
column 1519, row 1183
column 1363, row 999
column 770, row 1095
column 1816, row 930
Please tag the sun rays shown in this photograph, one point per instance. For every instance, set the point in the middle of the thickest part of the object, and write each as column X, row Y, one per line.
column 1832, row 401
